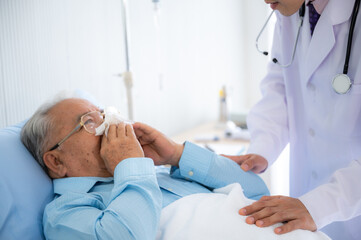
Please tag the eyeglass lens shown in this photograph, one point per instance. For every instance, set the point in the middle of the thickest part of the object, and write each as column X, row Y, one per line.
column 92, row 120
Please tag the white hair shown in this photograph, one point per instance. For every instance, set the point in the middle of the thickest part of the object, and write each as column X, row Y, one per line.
column 35, row 134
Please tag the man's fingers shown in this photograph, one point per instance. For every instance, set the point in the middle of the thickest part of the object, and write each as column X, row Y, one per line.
column 104, row 141
column 112, row 132
column 144, row 133
column 138, row 129
column 121, row 130
column 129, row 131
column 142, row 128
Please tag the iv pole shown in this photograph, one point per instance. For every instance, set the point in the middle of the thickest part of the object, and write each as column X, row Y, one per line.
column 127, row 74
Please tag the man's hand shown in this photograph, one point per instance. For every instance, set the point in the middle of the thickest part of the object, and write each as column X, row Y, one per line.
column 250, row 162
column 270, row 210
column 157, row 146
column 121, row 143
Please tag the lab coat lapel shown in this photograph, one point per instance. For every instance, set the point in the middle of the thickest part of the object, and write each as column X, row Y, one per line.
column 323, row 39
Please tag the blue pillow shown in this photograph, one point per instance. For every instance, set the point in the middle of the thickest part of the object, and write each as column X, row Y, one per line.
column 25, row 188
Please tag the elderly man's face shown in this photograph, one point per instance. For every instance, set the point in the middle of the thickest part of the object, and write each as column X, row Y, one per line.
column 79, row 155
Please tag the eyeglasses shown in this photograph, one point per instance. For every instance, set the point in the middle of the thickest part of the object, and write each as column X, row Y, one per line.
column 90, row 121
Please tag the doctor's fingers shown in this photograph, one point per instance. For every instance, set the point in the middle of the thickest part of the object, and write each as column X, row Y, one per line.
column 282, row 210
column 301, row 223
column 264, row 202
column 275, row 215
column 264, row 213
column 255, row 163
column 238, row 159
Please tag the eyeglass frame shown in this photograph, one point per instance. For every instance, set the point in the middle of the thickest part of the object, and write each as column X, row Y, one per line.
column 77, row 128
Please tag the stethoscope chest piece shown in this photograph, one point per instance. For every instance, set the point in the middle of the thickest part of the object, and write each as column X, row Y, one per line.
column 341, row 83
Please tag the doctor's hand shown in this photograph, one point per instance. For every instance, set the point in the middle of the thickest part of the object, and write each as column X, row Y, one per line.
column 270, row 210
column 157, row 146
column 250, row 162
column 121, row 143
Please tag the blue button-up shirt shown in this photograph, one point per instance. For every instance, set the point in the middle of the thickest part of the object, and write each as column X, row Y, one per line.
column 128, row 206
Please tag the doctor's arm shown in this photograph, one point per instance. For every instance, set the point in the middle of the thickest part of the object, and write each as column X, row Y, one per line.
column 337, row 200
column 268, row 119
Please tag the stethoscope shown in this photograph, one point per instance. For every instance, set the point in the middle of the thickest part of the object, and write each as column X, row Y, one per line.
column 341, row 83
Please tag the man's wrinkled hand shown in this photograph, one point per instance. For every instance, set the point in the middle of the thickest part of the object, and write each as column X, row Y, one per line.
column 250, row 162
column 121, row 143
column 157, row 146
column 270, row 210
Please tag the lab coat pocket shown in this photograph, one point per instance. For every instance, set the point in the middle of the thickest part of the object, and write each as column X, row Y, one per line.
column 347, row 112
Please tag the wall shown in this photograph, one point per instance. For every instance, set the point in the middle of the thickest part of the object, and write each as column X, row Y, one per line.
column 179, row 63
column 178, row 67
column 47, row 46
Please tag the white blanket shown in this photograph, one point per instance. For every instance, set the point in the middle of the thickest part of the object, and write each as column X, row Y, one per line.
column 215, row 217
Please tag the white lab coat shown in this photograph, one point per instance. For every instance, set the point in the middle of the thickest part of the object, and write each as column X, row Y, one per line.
column 323, row 128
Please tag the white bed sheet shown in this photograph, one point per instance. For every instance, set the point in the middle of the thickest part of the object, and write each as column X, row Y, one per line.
column 215, row 216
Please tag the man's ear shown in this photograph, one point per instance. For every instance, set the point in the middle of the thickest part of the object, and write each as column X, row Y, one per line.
column 55, row 166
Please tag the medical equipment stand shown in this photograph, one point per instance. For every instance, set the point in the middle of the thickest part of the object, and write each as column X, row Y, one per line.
column 127, row 75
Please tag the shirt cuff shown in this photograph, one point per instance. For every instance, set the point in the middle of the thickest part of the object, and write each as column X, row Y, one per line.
column 194, row 163
column 133, row 167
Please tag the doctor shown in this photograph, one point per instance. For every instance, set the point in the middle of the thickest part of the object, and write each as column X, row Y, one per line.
column 320, row 117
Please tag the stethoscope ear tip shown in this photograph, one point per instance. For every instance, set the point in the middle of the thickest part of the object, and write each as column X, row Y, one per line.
column 275, row 60
column 265, row 53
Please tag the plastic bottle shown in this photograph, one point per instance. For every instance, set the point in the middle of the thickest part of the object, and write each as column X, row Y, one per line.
column 223, row 110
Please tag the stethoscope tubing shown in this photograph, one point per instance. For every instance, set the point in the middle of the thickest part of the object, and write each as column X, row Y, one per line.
column 260, row 33
column 350, row 35
column 301, row 14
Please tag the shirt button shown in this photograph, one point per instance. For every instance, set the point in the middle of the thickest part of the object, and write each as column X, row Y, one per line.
column 190, row 173
column 311, row 132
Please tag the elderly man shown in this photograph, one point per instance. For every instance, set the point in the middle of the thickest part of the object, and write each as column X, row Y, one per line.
column 107, row 186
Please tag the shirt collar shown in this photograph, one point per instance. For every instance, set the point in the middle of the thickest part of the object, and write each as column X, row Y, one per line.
column 318, row 4
column 77, row 184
